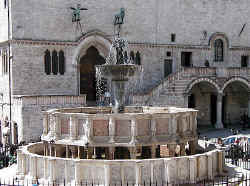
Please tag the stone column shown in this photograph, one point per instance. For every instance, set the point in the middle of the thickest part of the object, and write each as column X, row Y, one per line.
column 57, row 126
column 193, row 169
column 138, row 176
column 52, row 170
column 44, row 148
column 174, row 124
column 107, row 174
column 194, row 123
column 33, row 168
column 20, row 159
column 89, row 129
column 67, row 151
column 132, row 151
column 47, row 149
column 50, row 149
column 111, row 130
column 55, row 151
column 210, row 166
column 153, row 151
column 77, row 173
column 73, row 151
column 45, row 123
column 72, row 128
column 219, row 123
column 153, row 129
column 111, row 153
column 66, row 172
column 94, row 150
column 133, row 131
column 220, row 162
column 45, row 170
column 78, row 152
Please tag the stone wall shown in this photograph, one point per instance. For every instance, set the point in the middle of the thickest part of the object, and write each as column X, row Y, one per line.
column 4, row 22
column 28, row 112
column 150, row 21
column 172, row 170
column 29, row 77
column 150, row 35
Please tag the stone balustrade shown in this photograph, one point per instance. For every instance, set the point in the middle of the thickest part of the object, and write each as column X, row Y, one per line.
column 140, row 125
column 49, row 100
column 188, row 74
column 104, row 172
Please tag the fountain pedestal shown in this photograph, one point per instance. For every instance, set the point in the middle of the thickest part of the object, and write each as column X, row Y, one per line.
column 119, row 75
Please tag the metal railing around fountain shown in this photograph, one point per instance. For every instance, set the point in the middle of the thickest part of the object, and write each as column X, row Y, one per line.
column 235, row 179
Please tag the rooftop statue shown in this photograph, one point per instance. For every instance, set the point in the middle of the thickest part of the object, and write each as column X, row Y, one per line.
column 119, row 18
column 76, row 13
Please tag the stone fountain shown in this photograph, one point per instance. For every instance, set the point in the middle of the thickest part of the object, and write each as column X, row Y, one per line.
column 114, row 137
column 118, row 69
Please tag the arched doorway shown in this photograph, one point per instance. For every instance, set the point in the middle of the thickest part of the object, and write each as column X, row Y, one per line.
column 236, row 96
column 88, row 72
column 203, row 97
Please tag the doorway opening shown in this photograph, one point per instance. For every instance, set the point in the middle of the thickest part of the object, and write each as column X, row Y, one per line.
column 167, row 67
column 88, row 73
column 186, row 59
column 213, row 109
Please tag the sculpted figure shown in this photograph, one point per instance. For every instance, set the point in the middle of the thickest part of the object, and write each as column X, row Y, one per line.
column 76, row 13
column 119, row 18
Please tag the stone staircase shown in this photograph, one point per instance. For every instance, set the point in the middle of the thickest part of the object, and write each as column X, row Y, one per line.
column 172, row 89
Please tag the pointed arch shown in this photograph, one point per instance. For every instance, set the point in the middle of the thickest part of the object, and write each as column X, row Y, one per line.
column 47, row 62
column 101, row 43
column 138, row 58
column 54, row 62
column 132, row 56
column 61, row 62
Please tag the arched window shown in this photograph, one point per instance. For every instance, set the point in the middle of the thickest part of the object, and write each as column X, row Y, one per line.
column 54, row 62
column 47, row 62
column 138, row 58
column 132, row 56
column 218, row 50
column 61, row 62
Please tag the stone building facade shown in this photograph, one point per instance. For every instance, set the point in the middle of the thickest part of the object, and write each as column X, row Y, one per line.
column 194, row 53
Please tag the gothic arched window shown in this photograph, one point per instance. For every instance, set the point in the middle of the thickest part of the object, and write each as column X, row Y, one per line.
column 47, row 62
column 54, row 62
column 61, row 62
column 132, row 56
column 138, row 58
column 218, row 50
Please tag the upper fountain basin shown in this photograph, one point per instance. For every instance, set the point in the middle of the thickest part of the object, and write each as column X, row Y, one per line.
column 120, row 72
